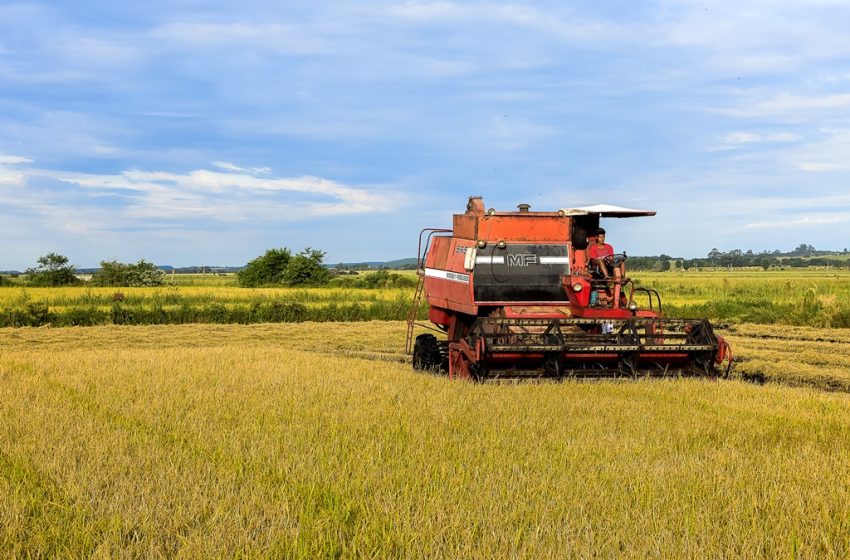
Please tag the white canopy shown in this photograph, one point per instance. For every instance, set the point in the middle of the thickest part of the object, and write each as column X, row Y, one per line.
column 607, row 211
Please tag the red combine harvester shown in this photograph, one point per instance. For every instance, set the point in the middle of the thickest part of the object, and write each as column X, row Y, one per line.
column 516, row 295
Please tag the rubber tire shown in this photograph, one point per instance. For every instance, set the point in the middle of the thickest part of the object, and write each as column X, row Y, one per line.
column 426, row 353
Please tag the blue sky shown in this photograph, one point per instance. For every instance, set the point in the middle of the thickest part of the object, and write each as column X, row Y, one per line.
column 187, row 132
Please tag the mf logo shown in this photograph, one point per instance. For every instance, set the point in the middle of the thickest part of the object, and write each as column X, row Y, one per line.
column 522, row 259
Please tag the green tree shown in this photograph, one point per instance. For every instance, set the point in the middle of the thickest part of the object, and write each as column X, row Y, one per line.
column 114, row 273
column 265, row 269
column 111, row 273
column 306, row 269
column 53, row 270
column 145, row 273
column 713, row 255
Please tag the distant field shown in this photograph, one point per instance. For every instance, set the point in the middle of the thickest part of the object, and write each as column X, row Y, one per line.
column 314, row 440
column 85, row 306
column 818, row 298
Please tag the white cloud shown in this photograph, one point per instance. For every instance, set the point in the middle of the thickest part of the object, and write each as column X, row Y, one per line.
column 228, row 196
column 832, row 153
column 227, row 166
column 13, row 160
column 751, row 137
column 789, row 107
column 277, row 38
column 558, row 24
column 804, row 221
column 427, row 11
column 757, row 36
column 742, row 138
column 783, row 137
column 10, row 178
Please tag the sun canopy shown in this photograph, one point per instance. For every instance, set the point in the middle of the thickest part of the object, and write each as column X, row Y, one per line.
column 607, row 211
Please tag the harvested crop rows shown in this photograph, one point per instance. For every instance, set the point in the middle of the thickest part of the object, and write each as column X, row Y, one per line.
column 219, row 440
column 801, row 356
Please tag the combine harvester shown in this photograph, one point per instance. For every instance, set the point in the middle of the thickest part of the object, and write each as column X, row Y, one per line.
column 516, row 295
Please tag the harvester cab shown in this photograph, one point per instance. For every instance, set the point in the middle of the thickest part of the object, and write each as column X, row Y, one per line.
column 515, row 294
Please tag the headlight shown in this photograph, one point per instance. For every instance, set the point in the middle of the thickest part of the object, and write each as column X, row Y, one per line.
column 576, row 287
column 501, row 244
column 481, row 243
column 632, row 306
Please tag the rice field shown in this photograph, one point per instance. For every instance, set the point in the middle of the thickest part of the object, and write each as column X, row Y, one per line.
column 815, row 298
column 87, row 306
column 802, row 297
column 317, row 440
column 797, row 356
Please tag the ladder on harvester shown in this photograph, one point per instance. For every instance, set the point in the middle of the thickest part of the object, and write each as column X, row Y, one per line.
column 414, row 311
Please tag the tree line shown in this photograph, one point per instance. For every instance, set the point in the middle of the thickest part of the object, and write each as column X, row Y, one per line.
column 280, row 267
column 54, row 269
column 276, row 267
column 803, row 256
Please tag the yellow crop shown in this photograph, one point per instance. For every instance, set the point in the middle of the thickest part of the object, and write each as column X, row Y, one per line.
column 203, row 441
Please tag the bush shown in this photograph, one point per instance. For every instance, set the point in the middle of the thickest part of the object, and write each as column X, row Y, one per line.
column 113, row 273
column 53, row 270
column 266, row 269
column 280, row 267
column 306, row 269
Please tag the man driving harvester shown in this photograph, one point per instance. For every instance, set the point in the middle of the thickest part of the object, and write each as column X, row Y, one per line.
column 602, row 254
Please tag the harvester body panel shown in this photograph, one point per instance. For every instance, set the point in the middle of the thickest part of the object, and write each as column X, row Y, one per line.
column 516, row 293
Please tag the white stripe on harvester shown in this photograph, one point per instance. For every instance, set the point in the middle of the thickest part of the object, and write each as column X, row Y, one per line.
column 489, row 260
column 554, row 260
column 447, row 275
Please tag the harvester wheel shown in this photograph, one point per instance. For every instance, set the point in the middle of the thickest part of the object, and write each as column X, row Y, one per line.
column 426, row 353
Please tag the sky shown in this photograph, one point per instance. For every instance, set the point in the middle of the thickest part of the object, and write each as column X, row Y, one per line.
column 204, row 133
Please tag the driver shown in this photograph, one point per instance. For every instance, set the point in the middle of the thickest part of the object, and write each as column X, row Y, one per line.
column 603, row 256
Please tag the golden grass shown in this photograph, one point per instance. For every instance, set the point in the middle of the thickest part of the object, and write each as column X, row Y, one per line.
column 830, row 286
column 76, row 295
column 817, row 298
column 272, row 440
column 802, row 356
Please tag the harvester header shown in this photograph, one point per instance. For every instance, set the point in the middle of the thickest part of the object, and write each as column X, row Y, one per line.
column 521, row 293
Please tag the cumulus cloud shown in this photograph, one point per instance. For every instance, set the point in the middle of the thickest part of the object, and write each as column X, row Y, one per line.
column 235, row 195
